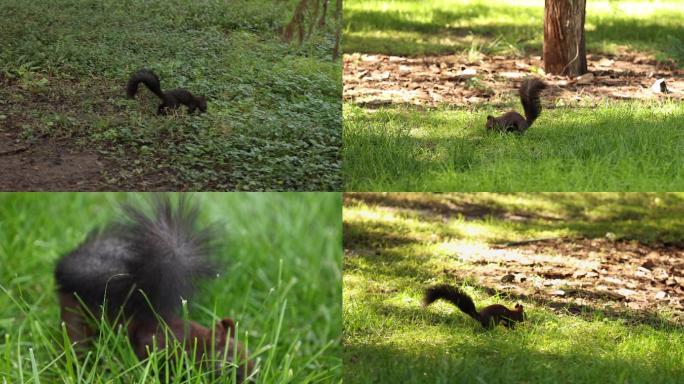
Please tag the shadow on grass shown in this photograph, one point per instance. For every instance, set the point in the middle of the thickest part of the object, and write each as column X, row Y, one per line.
column 474, row 361
column 445, row 208
column 586, row 312
column 667, row 40
column 382, row 246
column 630, row 216
column 388, row 249
column 525, row 31
column 375, row 235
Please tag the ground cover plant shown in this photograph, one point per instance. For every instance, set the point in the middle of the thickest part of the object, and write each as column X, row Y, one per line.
column 599, row 276
column 282, row 284
column 421, row 77
column 274, row 107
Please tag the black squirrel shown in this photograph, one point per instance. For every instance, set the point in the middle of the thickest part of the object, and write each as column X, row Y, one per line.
column 140, row 268
column 489, row 316
column 514, row 122
column 170, row 99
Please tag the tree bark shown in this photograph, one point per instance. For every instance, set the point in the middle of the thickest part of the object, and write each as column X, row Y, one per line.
column 296, row 25
column 564, row 49
column 338, row 31
column 321, row 21
column 313, row 12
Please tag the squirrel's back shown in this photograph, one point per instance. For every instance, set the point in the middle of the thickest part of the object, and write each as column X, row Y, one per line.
column 160, row 254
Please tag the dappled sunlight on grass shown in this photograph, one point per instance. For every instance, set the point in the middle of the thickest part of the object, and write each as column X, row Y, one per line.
column 397, row 244
column 527, row 203
column 353, row 284
column 426, row 337
column 402, row 221
column 495, row 218
column 404, row 301
column 636, row 9
column 504, row 27
column 479, row 253
column 411, row 150
column 491, row 231
column 371, row 214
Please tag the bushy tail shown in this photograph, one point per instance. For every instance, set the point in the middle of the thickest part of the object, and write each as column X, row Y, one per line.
column 169, row 252
column 453, row 295
column 529, row 96
column 146, row 77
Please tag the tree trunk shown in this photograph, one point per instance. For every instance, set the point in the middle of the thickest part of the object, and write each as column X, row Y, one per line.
column 313, row 12
column 321, row 21
column 564, row 50
column 338, row 31
column 296, row 25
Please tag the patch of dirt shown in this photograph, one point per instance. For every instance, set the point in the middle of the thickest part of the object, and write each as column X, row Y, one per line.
column 49, row 166
column 377, row 80
column 581, row 274
column 46, row 164
column 56, row 161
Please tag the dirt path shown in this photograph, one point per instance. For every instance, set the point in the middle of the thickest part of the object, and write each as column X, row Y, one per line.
column 46, row 165
column 623, row 279
column 580, row 274
column 377, row 80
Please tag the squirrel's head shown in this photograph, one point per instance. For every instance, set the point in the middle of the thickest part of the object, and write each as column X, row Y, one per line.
column 202, row 103
column 520, row 314
column 226, row 343
column 491, row 122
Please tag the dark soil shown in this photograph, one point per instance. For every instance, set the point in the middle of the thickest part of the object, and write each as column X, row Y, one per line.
column 46, row 165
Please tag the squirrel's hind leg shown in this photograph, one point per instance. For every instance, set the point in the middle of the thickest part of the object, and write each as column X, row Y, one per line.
column 162, row 109
column 77, row 326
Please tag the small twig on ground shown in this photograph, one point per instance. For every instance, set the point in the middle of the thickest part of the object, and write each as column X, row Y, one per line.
column 14, row 151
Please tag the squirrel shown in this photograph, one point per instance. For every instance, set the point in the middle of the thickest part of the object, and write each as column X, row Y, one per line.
column 140, row 268
column 170, row 99
column 514, row 122
column 489, row 316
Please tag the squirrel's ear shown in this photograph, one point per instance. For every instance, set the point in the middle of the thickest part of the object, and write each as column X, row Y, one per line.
column 490, row 117
column 518, row 306
column 228, row 324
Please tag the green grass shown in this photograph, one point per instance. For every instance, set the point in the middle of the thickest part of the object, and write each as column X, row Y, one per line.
column 604, row 146
column 282, row 285
column 411, row 27
column 274, row 111
column 396, row 245
column 614, row 146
